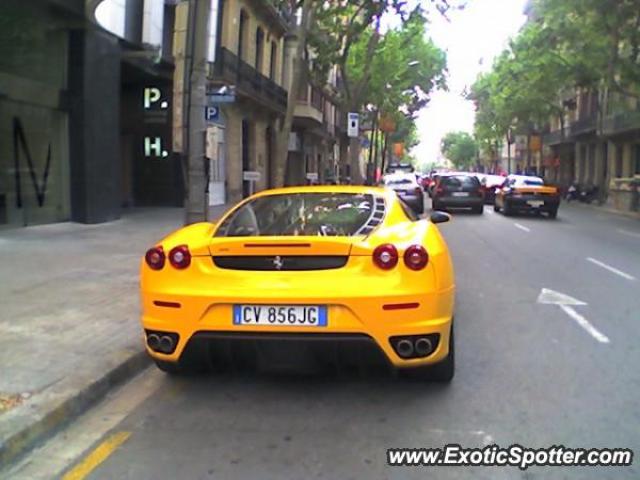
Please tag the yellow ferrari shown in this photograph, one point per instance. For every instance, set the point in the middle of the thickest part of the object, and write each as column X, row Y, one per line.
column 520, row 193
column 304, row 275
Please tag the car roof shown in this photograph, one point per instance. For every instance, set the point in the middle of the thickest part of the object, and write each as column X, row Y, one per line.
column 354, row 189
column 458, row 174
column 399, row 176
column 526, row 177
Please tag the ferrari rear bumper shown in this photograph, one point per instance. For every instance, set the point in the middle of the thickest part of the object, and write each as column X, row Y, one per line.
column 352, row 324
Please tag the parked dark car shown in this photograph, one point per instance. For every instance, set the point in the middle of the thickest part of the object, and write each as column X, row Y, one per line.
column 458, row 191
column 407, row 188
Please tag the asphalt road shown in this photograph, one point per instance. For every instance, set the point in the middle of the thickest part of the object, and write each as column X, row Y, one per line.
column 527, row 372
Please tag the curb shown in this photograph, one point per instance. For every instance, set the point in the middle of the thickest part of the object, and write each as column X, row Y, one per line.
column 24, row 427
column 611, row 211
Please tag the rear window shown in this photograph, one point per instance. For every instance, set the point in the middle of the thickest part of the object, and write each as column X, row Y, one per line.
column 398, row 181
column 322, row 214
column 460, row 181
column 531, row 181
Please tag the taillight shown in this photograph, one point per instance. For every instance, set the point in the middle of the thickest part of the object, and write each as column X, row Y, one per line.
column 416, row 257
column 155, row 258
column 385, row 256
column 180, row 257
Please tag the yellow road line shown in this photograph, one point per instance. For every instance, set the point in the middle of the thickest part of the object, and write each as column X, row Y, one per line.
column 97, row 456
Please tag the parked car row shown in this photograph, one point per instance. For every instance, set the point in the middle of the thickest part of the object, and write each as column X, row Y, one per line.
column 509, row 195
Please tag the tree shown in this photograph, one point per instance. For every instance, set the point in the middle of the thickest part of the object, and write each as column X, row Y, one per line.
column 374, row 68
column 460, row 148
column 345, row 36
column 571, row 44
column 299, row 30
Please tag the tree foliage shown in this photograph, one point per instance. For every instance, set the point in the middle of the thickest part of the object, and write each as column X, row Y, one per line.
column 568, row 45
column 460, row 148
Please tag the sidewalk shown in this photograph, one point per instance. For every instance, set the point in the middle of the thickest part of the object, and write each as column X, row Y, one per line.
column 69, row 318
column 604, row 209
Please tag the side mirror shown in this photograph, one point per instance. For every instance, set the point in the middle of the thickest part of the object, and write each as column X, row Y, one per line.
column 439, row 217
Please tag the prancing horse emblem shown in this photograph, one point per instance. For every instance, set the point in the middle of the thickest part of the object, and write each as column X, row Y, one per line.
column 278, row 263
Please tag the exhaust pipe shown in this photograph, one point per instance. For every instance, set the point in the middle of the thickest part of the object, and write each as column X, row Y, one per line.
column 404, row 348
column 423, row 347
column 153, row 341
column 166, row 344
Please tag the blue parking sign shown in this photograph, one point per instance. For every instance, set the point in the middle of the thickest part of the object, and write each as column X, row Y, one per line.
column 211, row 114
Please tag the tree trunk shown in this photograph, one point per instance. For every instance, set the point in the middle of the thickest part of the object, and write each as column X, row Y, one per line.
column 354, row 161
column 384, row 151
column 197, row 180
column 344, row 157
column 282, row 136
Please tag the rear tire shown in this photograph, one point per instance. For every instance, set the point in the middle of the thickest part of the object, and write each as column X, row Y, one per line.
column 171, row 368
column 506, row 209
column 553, row 213
column 193, row 361
column 496, row 208
column 479, row 210
column 442, row 372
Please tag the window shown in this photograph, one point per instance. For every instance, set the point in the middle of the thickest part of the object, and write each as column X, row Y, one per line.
column 461, row 181
column 408, row 211
column 532, row 182
column 259, row 48
column 315, row 214
column 618, row 172
column 272, row 61
column 242, row 32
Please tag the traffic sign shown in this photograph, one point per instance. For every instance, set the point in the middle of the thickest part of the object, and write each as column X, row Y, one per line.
column 226, row 94
column 352, row 126
column 211, row 114
column 250, row 176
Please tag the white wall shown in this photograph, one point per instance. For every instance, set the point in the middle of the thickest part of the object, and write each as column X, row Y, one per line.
column 152, row 22
column 213, row 30
column 110, row 15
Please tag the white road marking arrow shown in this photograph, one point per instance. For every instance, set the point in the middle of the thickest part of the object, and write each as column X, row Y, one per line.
column 551, row 297
column 566, row 303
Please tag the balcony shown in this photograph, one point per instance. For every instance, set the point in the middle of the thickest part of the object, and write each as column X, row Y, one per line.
column 583, row 126
column 309, row 112
column 557, row 137
column 621, row 122
column 231, row 70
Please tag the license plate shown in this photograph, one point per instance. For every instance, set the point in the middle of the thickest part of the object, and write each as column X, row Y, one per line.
column 460, row 194
column 535, row 203
column 285, row 315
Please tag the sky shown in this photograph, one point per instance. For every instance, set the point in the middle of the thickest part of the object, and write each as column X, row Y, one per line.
column 472, row 38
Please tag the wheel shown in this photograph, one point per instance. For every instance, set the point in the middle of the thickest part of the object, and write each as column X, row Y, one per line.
column 553, row 213
column 442, row 372
column 193, row 361
column 172, row 368
column 479, row 210
column 496, row 208
column 506, row 209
